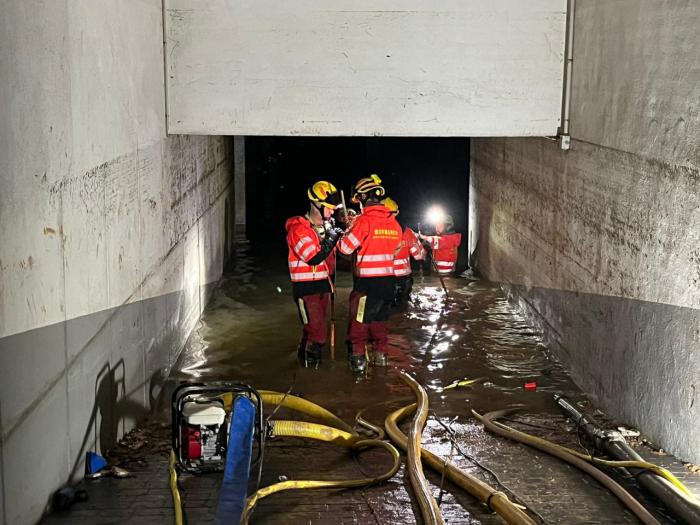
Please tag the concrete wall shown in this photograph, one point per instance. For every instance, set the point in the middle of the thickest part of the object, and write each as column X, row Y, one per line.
column 602, row 243
column 239, row 185
column 365, row 67
column 111, row 234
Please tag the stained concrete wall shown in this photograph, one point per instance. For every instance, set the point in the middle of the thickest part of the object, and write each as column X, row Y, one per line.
column 365, row 67
column 111, row 235
column 239, row 185
column 602, row 243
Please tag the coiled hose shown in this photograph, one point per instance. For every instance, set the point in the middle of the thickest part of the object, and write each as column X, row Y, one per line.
column 343, row 436
column 494, row 499
column 368, row 425
column 565, row 454
column 426, row 501
column 330, row 435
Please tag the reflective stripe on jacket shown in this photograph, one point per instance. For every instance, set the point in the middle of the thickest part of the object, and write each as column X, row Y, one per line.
column 376, row 236
column 410, row 247
column 445, row 250
column 303, row 244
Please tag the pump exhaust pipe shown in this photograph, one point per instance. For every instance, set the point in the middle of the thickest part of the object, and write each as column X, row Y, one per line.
column 614, row 444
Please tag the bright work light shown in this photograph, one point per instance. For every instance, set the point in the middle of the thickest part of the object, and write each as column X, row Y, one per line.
column 435, row 215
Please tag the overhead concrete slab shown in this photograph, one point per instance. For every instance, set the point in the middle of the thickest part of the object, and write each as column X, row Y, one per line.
column 361, row 67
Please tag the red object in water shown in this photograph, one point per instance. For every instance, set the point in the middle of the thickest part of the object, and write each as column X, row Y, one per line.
column 531, row 387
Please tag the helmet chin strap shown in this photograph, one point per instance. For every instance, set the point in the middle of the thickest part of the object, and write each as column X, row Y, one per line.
column 321, row 228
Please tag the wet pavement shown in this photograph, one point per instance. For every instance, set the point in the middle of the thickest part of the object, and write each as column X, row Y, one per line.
column 249, row 333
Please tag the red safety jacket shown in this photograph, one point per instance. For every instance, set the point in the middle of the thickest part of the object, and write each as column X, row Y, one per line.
column 445, row 250
column 410, row 247
column 376, row 236
column 303, row 243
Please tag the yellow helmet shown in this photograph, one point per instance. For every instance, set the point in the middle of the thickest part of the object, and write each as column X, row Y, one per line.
column 368, row 185
column 325, row 194
column 391, row 204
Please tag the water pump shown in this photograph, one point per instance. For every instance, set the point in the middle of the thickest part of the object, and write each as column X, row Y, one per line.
column 201, row 423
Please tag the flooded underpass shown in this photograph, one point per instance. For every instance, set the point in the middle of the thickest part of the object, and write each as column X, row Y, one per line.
column 249, row 333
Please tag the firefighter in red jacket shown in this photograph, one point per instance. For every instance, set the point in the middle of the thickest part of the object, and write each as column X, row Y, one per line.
column 410, row 247
column 375, row 237
column 445, row 245
column 311, row 240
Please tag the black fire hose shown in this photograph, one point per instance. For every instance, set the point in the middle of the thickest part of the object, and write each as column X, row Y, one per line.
column 614, row 444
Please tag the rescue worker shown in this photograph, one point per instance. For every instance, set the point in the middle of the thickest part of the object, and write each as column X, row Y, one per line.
column 375, row 237
column 311, row 240
column 409, row 247
column 444, row 245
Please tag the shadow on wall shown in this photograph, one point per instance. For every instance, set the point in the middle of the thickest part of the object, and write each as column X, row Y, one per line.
column 53, row 412
column 113, row 405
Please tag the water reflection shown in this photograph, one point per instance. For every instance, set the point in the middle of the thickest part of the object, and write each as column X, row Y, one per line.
column 249, row 333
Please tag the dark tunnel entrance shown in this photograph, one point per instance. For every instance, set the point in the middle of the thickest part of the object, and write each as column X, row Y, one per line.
column 417, row 173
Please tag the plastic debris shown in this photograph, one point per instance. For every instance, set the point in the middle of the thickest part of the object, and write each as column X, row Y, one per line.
column 119, row 472
column 94, row 463
column 695, row 469
column 464, row 383
column 628, row 433
column 531, row 386
column 109, row 472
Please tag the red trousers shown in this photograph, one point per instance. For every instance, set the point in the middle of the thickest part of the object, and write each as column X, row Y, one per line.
column 313, row 311
column 368, row 322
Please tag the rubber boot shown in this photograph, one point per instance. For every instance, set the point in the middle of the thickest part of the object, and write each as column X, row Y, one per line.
column 380, row 359
column 356, row 361
column 313, row 355
column 310, row 355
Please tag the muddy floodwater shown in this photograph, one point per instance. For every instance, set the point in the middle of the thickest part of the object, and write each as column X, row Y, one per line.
column 250, row 332
column 251, row 329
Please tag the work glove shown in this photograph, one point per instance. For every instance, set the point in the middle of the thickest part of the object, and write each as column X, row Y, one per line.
column 333, row 234
column 350, row 218
column 327, row 244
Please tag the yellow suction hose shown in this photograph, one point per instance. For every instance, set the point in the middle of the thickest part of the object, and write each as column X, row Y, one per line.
column 566, row 455
column 428, row 506
column 297, row 404
column 279, row 428
column 495, row 500
column 177, row 501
